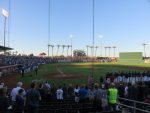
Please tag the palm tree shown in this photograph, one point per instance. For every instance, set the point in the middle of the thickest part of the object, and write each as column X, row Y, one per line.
column 68, row 46
column 63, row 46
column 58, row 46
column 48, row 49
column 144, row 45
column 52, row 49
column 114, row 50
column 109, row 50
column 96, row 50
column 91, row 50
column 87, row 46
column 105, row 50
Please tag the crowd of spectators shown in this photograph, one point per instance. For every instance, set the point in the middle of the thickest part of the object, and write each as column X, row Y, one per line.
column 103, row 96
column 22, row 64
column 32, row 98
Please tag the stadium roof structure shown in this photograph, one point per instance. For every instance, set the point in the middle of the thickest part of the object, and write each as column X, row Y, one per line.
column 2, row 48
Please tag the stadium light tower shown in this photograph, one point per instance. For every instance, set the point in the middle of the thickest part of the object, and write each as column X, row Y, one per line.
column 101, row 48
column 144, row 45
column 96, row 47
column 52, row 49
column 5, row 14
column 71, row 36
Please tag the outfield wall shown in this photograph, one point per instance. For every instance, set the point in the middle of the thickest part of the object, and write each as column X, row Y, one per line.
column 130, row 57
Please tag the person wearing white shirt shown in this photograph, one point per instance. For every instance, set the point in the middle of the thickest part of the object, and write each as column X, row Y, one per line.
column 76, row 93
column 59, row 94
column 14, row 92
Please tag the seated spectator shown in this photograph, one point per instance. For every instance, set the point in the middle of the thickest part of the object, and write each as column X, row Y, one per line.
column 4, row 104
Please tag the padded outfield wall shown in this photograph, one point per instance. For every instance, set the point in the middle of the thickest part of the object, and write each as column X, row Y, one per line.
column 131, row 57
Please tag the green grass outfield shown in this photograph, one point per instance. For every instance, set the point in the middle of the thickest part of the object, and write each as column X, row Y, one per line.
column 83, row 69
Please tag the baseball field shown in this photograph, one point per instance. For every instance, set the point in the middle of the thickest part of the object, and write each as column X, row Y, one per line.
column 77, row 73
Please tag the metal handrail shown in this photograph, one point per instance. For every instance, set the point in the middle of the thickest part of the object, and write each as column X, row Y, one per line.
column 134, row 107
column 134, row 101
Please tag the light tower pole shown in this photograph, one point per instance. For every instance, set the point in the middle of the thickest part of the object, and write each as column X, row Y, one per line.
column 87, row 46
column 101, row 46
column 105, row 51
column 109, row 51
column 5, row 14
column 144, row 45
column 71, row 36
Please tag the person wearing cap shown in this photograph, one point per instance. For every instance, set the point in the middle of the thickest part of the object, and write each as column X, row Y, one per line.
column 112, row 97
column 14, row 92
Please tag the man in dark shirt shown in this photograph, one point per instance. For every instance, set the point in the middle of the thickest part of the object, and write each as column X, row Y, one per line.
column 33, row 98
column 19, row 102
column 3, row 101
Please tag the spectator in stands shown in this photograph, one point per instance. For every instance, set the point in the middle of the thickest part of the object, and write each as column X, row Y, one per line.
column 4, row 104
column 33, row 98
column 70, row 91
column 91, row 94
column 90, row 81
column 2, row 85
column 14, row 92
column 59, row 94
column 36, row 70
column 97, row 98
column 42, row 91
column 82, row 94
column 121, row 90
column 47, row 85
column 104, row 98
column 113, row 96
column 76, row 93
column 19, row 107
column 22, row 72
column 64, row 91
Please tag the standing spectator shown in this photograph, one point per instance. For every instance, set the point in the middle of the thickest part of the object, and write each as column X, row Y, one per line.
column 82, row 94
column 70, row 91
column 97, row 98
column 64, row 91
column 76, row 93
column 90, row 81
column 2, row 85
column 33, row 98
column 91, row 94
column 4, row 104
column 14, row 92
column 113, row 96
column 59, row 94
column 104, row 98
column 22, row 72
column 36, row 70
column 19, row 107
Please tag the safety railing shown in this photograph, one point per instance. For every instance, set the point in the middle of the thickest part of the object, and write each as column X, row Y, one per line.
column 133, row 105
